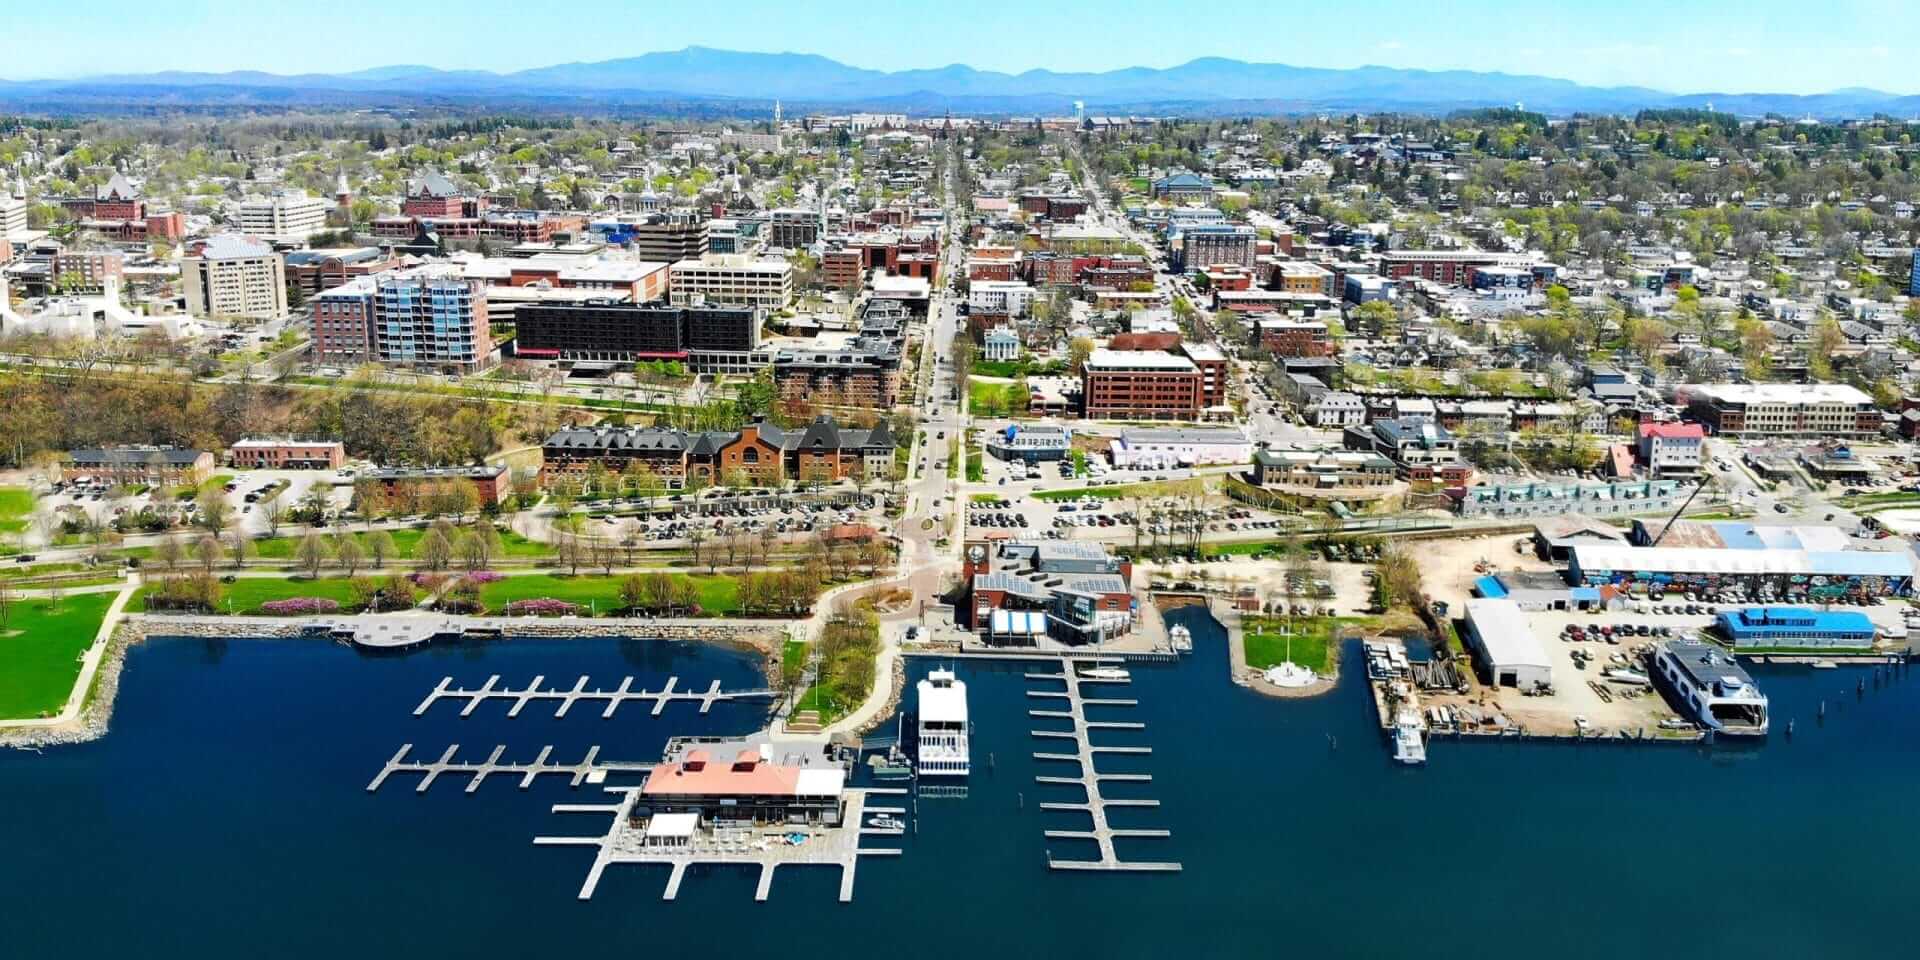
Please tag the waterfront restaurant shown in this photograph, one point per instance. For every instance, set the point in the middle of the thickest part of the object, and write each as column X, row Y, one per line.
column 716, row 783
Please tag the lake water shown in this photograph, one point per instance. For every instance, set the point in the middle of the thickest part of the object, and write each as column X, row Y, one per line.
column 226, row 815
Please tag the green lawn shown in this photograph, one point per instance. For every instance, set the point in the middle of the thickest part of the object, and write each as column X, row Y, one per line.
column 245, row 595
column 994, row 399
column 16, row 505
column 1161, row 488
column 40, row 651
column 405, row 542
column 1313, row 643
column 717, row 595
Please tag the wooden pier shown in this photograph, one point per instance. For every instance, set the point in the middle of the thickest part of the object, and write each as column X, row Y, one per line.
column 1089, row 779
column 567, row 697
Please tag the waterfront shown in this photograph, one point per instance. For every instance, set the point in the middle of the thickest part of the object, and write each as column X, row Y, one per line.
column 227, row 809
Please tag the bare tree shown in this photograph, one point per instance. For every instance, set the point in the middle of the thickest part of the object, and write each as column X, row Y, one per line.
column 380, row 547
column 350, row 554
column 207, row 551
column 169, row 552
column 312, row 553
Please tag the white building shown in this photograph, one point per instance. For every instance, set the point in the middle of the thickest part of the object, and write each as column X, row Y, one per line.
column 286, row 216
column 1505, row 645
column 1671, row 448
column 1337, row 409
column 1001, row 343
column 13, row 216
column 1164, row 449
column 732, row 279
column 1011, row 297
column 87, row 317
column 235, row 276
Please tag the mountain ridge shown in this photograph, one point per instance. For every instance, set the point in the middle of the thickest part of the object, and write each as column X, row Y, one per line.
column 1201, row 85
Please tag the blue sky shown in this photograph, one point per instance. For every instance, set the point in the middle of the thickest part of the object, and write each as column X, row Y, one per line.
column 1786, row 46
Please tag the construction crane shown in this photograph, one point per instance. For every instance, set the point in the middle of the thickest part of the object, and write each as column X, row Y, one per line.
column 1702, row 485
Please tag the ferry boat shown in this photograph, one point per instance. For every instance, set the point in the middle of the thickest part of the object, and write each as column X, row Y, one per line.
column 940, row 741
column 1409, row 747
column 1706, row 683
column 1181, row 638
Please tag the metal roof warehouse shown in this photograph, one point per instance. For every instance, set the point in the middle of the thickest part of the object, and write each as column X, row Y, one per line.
column 1595, row 563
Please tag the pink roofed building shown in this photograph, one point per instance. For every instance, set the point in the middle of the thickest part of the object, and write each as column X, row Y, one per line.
column 1671, row 449
column 747, row 784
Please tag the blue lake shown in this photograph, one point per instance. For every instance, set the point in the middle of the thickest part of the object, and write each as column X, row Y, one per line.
column 226, row 815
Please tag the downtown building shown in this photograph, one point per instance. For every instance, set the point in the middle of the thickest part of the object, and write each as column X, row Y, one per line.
column 286, row 216
column 707, row 338
column 234, row 277
column 430, row 320
column 760, row 452
column 732, row 279
column 1140, row 384
column 865, row 373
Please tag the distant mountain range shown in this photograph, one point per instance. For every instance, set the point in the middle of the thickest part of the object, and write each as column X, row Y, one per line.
column 704, row 80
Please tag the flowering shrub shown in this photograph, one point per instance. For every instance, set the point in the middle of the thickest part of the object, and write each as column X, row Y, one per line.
column 298, row 606
column 540, row 607
column 484, row 576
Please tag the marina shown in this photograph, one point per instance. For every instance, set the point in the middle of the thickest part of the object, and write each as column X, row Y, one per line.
column 1089, row 779
column 614, row 698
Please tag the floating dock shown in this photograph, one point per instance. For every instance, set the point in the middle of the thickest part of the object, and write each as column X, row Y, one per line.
column 567, row 697
column 1089, row 779
column 590, row 768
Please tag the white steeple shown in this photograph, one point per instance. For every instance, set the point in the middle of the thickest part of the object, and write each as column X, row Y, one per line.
column 776, row 116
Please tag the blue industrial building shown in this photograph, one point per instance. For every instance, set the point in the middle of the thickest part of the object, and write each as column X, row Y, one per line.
column 1796, row 627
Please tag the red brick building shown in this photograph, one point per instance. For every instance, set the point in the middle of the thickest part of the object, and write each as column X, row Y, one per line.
column 287, row 454
column 1140, row 384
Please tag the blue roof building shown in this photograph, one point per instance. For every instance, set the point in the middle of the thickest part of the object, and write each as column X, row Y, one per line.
column 1796, row 627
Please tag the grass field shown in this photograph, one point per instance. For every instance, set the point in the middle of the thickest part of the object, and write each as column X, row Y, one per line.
column 1313, row 643
column 40, row 651
column 16, row 506
column 994, row 399
column 405, row 542
column 246, row 594
column 718, row 596
column 1163, row 488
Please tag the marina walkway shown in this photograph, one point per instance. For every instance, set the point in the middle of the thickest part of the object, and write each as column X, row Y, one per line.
column 1089, row 779
column 578, row 692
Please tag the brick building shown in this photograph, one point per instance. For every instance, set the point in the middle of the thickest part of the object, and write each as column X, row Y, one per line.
column 281, row 453
column 1134, row 384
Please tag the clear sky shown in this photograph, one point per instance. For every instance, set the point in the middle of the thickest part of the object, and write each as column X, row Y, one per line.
column 1775, row 46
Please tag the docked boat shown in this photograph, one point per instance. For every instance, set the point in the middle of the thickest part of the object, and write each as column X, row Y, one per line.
column 1409, row 741
column 886, row 822
column 1181, row 638
column 1705, row 683
column 1108, row 674
column 941, row 733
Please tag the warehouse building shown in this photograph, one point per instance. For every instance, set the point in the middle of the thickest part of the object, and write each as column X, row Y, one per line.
column 1504, row 645
column 1765, row 572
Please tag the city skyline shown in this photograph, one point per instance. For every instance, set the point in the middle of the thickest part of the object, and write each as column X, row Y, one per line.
column 1600, row 47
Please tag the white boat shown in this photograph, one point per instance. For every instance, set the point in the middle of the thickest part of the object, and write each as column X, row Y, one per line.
column 1624, row 675
column 1109, row 674
column 1409, row 746
column 1181, row 638
column 886, row 822
column 941, row 748
column 1708, row 685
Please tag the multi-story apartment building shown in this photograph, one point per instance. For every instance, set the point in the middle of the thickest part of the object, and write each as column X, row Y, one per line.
column 1199, row 246
column 1819, row 410
column 734, row 279
column 86, row 270
column 1421, row 450
column 233, row 276
column 431, row 320
column 1668, row 449
column 821, row 451
column 865, row 373
column 286, row 216
column 713, row 338
column 13, row 215
column 1214, row 373
column 1292, row 338
column 284, row 453
column 1131, row 384
column 670, row 237
column 342, row 323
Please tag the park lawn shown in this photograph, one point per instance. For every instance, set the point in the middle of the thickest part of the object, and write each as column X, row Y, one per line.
column 405, row 543
column 16, row 506
column 994, row 399
column 1314, row 643
column 40, row 649
column 246, row 594
column 717, row 595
